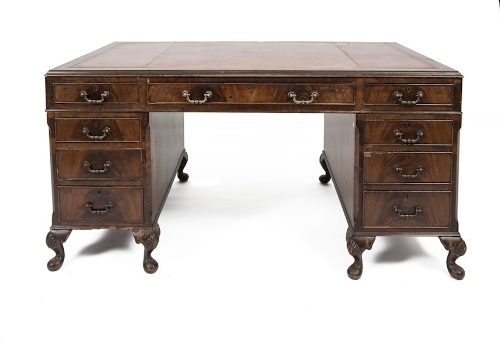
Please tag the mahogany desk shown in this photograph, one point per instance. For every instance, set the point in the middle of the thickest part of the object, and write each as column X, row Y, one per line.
column 392, row 121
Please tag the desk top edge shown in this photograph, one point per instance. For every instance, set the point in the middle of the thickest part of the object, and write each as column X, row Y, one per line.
column 259, row 59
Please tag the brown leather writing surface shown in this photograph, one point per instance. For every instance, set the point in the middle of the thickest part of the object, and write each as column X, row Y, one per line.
column 255, row 56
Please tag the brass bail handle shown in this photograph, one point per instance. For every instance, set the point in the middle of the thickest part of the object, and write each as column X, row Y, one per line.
column 104, row 96
column 396, row 209
column 399, row 170
column 399, row 135
column 399, row 97
column 292, row 95
column 206, row 95
column 105, row 133
column 90, row 206
column 88, row 166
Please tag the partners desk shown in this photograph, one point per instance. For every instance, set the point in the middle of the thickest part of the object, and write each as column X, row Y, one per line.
column 391, row 130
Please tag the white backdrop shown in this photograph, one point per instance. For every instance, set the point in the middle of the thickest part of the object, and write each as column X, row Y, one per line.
column 252, row 247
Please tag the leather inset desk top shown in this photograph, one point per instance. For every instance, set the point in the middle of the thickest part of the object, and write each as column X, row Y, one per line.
column 247, row 57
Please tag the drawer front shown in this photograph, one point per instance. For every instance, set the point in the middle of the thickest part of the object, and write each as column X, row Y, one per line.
column 160, row 93
column 406, row 209
column 382, row 167
column 101, row 204
column 98, row 129
column 99, row 164
column 409, row 95
column 409, row 132
column 96, row 94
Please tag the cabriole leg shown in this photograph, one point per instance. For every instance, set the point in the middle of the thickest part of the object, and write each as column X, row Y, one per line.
column 55, row 240
column 356, row 246
column 149, row 238
column 325, row 178
column 456, row 248
column 180, row 173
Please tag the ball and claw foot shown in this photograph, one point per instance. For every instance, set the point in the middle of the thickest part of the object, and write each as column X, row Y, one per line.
column 325, row 178
column 55, row 240
column 356, row 246
column 456, row 248
column 180, row 173
column 149, row 238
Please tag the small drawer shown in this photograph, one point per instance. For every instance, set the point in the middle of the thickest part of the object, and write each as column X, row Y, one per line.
column 100, row 204
column 384, row 167
column 99, row 164
column 314, row 94
column 409, row 132
column 98, row 129
column 96, row 94
column 413, row 210
column 409, row 95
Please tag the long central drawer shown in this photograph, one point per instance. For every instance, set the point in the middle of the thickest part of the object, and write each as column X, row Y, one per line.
column 176, row 93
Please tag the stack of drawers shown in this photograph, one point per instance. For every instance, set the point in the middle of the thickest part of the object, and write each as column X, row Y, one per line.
column 100, row 157
column 112, row 162
column 409, row 158
column 97, row 154
column 404, row 159
column 407, row 174
column 99, row 169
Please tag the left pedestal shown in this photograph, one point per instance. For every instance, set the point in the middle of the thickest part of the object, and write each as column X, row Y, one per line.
column 113, row 170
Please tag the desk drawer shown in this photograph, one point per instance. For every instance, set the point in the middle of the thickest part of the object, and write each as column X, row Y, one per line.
column 99, row 164
column 409, row 132
column 409, row 95
column 160, row 93
column 96, row 94
column 101, row 204
column 406, row 209
column 382, row 167
column 98, row 129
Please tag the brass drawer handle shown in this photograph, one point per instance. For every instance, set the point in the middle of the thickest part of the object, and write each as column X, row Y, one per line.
column 90, row 205
column 207, row 95
column 105, row 133
column 407, row 216
column 107, row 165
column 399, row 170
column 399, row 97
column 104, row 96
column 399, row 134
column 292, row 95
